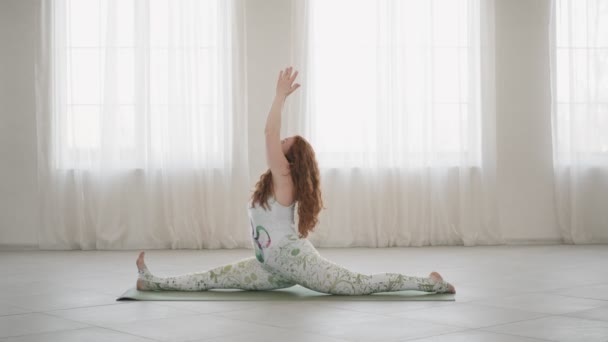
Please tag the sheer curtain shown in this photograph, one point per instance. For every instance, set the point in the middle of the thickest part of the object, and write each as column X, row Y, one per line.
column 579, row 87
column 142, row 124
column 397, row 98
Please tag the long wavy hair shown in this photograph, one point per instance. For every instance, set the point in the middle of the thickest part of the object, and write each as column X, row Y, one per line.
column 306, row 179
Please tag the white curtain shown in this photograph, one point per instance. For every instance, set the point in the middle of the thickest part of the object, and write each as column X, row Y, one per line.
column 397, row 99
column 579, row 88
column 142, row 124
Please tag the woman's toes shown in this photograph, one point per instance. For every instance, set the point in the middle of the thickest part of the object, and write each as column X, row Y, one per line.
column 140, row 261
column 451, row 288
column 436, row 276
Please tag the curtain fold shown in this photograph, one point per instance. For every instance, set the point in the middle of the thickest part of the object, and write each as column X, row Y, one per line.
column 397, row 99
column 142, row 124
column 579, row 116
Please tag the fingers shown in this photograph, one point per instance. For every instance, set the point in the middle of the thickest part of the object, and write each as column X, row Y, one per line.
column 287, row 73
column 295, row 86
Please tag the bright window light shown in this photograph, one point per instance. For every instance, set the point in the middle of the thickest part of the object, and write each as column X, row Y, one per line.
column 397, row 81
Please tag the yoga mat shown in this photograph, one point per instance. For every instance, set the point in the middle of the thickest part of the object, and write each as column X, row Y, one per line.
column 296, row 292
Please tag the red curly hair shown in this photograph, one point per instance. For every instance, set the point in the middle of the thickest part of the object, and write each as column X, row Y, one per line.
column 306, row 179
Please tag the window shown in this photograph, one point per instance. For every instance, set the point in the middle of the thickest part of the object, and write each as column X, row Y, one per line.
column 395, row 83
column 142, row 82
column 580, row 80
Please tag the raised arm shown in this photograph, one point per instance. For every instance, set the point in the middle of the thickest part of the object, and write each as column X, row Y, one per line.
column 278, row 164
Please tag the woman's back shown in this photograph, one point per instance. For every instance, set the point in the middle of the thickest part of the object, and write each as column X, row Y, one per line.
column 269, row 227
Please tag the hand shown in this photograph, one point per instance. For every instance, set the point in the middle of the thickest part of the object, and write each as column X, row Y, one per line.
column 284, row 83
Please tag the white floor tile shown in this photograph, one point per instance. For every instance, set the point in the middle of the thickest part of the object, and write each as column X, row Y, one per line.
column 79, row 335
column 271, row 334
column 125, row 312
column 509, row 293
column 62, row 299
column 186, row 328
column 600, row 314
column 211, row 306
column 597, row 291
column 466, row 293
column 557, row 328
column 385, row 307
column 389, row 329
column 469, row 315
column 10, row 309
column 16, row 325
column 306, row 316
column 475, row 336
column 542, row 303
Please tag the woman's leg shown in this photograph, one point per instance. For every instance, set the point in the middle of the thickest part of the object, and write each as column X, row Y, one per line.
column 298, row 260
column 244, row 274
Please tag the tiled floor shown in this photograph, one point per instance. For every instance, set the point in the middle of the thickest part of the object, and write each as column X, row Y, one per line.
column 504, row 293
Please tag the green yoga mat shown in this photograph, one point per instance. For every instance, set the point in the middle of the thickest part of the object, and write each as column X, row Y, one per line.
column 296, row 292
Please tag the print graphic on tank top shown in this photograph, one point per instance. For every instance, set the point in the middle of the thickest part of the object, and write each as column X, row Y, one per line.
column 260, row 241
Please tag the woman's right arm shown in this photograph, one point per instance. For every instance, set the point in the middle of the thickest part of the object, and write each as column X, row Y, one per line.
column 275, row 158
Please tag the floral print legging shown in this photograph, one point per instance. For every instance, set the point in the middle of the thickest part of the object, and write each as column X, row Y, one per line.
column 292, row 261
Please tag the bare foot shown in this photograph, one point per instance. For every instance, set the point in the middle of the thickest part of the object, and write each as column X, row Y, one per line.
column 438, row 277
column 141, row 265
column 140, row 261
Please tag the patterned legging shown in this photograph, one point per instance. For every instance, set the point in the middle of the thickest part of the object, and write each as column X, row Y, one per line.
column 292, row 261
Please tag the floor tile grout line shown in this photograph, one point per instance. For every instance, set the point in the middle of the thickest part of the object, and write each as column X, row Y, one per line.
column 524, row 320
column 215, row 312
column 289, row 330
column 109, row 304
column 491, row 332
column 483, row 305
column 139, row 320
column 280, row 327
column 295, row 328
column 30, row 311
column 567, row 315
column 42, row 332
column 544, row 315
column 524, row 336
column 110, row 329
column 570, row 296
column 422, row 321
column 527, row 310
column 579, row 286
column 194, row 314
column 391, row 315
column 68, row 330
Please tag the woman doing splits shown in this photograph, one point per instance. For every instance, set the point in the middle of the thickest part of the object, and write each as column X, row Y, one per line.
column 283, row 255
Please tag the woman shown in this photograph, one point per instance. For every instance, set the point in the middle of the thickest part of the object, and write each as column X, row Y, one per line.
column 283, row 256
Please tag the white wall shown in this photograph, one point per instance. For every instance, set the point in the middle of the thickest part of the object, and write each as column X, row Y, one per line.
column 267, row 47
column 527, row 212
column 523, row 122
column 17, row 122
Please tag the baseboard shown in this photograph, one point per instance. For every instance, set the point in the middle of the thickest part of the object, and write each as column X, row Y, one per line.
column 18, row 247
column 553, row 241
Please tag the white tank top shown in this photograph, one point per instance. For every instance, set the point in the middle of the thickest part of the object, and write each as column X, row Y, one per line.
column 268, row 227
